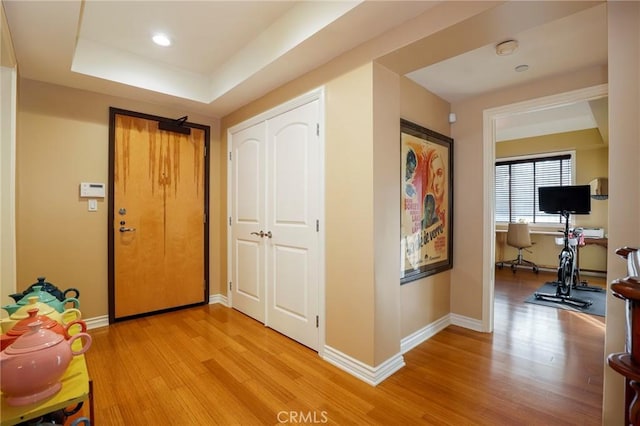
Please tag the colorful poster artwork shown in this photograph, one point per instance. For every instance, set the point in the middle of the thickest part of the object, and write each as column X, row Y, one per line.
column 424, row 203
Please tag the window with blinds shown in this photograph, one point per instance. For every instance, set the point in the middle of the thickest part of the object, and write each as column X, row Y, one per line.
column 517, row 183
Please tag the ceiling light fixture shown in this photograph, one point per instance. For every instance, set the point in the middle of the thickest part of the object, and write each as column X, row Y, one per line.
column 522, row 68
column 161, row 40
column 506, row 47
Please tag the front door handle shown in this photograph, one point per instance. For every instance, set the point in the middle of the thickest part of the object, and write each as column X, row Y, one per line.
column 268, row 234
column 259, row 234
column 124, row 229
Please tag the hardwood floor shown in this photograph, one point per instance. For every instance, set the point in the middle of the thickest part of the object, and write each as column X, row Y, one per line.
column 212, row 365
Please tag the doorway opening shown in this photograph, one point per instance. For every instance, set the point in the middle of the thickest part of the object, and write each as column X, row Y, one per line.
column 490, row 117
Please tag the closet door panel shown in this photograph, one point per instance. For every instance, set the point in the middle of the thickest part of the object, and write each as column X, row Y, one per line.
column 247, row 217
column 292, row 211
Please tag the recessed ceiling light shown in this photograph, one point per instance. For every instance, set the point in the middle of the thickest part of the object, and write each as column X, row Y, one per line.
column 506, row 47
column 161, row 40
column 522, row 68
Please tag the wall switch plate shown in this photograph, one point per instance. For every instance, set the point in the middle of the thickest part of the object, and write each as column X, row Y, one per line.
column 92, row 205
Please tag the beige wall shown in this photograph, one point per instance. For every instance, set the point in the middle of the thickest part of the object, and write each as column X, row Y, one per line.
column 624, row 175
column 591, row 161
column 63, row 140
column 386, row 215
column 7, row 55
column 428, row 299
column 349, row 234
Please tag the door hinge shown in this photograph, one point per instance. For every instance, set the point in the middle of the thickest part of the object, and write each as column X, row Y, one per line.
column 230, row 286
column 317, row 225
column 205, row 151
column 229, row 220
column 229, row 155
column 317, row 321
column 317, row 129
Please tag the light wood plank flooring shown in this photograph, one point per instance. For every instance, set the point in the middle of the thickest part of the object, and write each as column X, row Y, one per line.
column 212, row 365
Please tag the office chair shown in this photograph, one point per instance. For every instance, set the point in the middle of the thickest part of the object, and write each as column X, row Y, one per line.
column 518, row 236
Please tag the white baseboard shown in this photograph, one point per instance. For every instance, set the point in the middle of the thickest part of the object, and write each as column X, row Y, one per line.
column 466, row 322
column 364, row 372
column 97, row 322
column 425, row 333
column 218, row 298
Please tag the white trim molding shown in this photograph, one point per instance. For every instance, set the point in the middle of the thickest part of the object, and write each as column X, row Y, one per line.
column 424, row 334
column 427, row 332
column 97, row 322
column 8, row 102
column 466, row 322
column 219, row 298
column 360, row 370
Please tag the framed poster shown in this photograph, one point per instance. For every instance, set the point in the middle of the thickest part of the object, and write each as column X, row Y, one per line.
column 426, row 204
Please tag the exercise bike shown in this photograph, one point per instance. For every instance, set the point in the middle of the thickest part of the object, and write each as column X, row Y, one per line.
column 568, row 274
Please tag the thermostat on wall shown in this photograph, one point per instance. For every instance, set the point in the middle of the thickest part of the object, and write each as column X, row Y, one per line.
column 94, row 190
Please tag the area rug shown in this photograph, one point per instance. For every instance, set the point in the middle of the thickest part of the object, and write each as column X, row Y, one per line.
column 598, row 299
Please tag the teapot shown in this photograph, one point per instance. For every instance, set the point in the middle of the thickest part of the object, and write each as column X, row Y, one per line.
column 31, row 367
column 22, row 312
column 22, row 327
column 43, row 297
column 49, row 288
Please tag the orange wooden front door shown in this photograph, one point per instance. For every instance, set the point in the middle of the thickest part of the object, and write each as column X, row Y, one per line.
column 158, row 221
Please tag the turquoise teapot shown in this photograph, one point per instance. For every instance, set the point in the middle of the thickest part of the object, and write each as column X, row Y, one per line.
column 49, row 288
column 43, row 297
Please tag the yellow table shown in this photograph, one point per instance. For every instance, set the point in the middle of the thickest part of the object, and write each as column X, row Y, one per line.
column 75, row 388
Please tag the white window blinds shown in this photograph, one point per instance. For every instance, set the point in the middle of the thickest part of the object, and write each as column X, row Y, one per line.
column 517, row 183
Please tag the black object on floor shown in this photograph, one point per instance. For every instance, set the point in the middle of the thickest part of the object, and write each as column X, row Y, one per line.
column 598, row 299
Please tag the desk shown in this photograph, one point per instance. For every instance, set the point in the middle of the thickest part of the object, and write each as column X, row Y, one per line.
column 546, row 250
column 602, row 242
column 557, row 233
column 75, row 388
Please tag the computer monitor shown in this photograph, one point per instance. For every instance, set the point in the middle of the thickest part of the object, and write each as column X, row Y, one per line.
column 574, row 199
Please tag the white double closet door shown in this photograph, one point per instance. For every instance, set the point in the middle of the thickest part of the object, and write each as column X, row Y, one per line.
column 274, row 206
